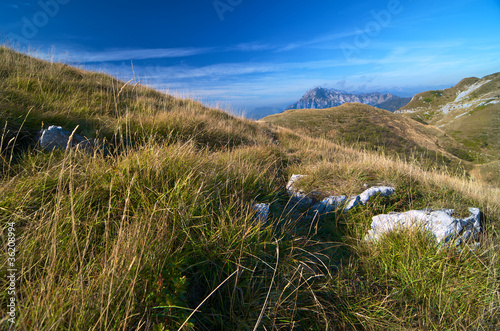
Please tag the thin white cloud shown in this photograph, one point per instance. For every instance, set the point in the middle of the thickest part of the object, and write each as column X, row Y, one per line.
column 159, row 53
column 238, row 69
column 321, row 40
column 251, row 47
column 419, row 44
column 325, row 41
column 141, row 54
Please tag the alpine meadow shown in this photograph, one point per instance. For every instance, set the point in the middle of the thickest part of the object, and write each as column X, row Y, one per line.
column 153, row 225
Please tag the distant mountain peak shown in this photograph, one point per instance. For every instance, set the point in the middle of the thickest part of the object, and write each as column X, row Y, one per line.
column 321, row 92
column 320, row 97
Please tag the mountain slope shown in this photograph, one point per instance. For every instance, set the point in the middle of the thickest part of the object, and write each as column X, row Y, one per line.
column 373, row 128
column 35, row 93
column 320, row 98
column 468, row 111
column 394, row 104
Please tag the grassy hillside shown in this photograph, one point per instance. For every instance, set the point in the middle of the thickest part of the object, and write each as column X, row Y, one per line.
column 36, row 94
column 375, row 129
column 158, row 232
column 394, row 104
column 469, row 112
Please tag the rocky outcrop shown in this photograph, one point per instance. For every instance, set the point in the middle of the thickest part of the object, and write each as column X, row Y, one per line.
column 332, row 203
column 439, row 223
column 55, row 137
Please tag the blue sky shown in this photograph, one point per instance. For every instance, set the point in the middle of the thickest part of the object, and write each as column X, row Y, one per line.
column 243, row 54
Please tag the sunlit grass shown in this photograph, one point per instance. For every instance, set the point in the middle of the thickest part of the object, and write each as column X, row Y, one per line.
column 156, row 230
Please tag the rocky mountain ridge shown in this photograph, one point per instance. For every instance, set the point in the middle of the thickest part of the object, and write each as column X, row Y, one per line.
column 320, row 98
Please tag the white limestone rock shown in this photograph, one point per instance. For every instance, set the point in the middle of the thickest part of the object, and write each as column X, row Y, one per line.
column 291, row 189
column 383, row 191
column 329, row 204
column 439, row 222
column 297, row 195
column 352, row 202
column 364, row 197
column 55, row 137
column 262, row 212
column 462, row 95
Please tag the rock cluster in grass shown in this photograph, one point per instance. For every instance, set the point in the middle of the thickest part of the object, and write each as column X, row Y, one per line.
column 440, row 223
column 332, row 203
column 55, row 137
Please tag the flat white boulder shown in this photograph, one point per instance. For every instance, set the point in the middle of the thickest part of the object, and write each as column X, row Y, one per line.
column 443, row 226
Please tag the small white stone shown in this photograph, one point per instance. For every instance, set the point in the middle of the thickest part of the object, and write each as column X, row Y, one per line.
column 262, row 212
column 384, row 191
column 296, row 194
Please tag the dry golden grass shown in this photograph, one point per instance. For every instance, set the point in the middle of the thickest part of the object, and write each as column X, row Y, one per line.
column 376, row 129
column 318, row 154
